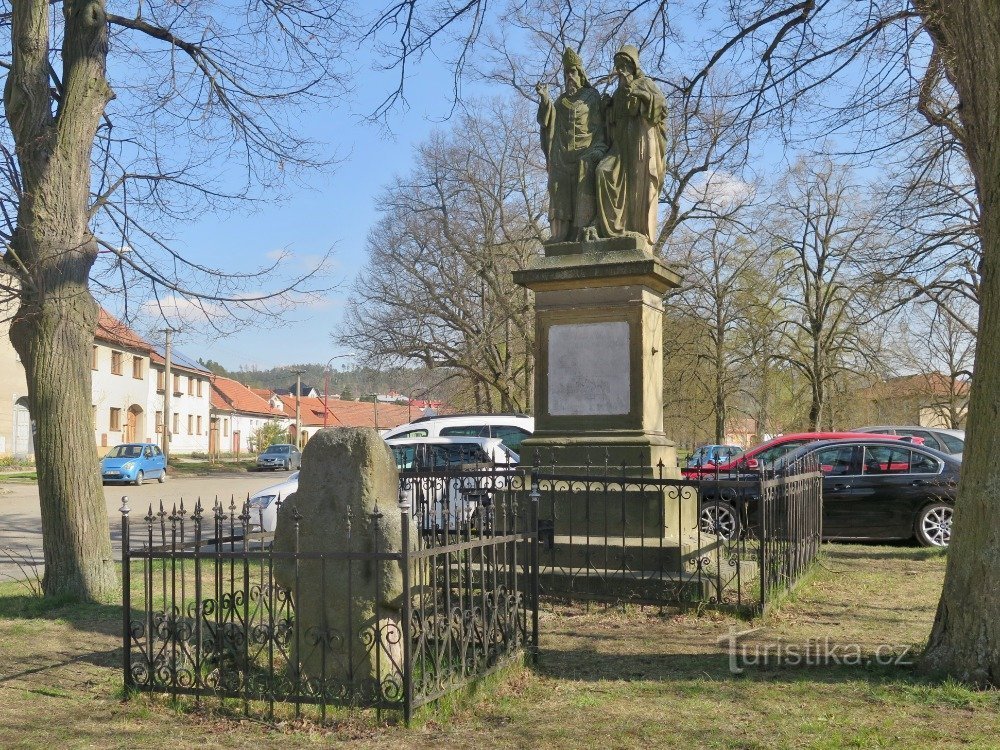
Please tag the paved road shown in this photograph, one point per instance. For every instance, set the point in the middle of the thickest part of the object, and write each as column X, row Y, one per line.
column 21, row 523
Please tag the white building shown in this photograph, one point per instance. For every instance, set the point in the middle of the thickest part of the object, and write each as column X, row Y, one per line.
column 127, row 380
column 120, row 385
column 237, row 413
column 190, row 401
column 15, row 420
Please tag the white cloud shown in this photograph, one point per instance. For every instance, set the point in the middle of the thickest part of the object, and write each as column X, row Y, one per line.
column 721, row 190
column 182, row 310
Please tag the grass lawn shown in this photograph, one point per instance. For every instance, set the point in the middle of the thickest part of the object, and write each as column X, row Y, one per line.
column 608, row 678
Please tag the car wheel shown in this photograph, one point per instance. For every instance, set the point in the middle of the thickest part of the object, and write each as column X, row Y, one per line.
column 288, row 465
column 721, row 519
column 163, row 477
column 138, row 478
column 933, row 526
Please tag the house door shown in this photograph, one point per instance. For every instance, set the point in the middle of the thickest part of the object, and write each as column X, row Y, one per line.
column 23, row 444
column 132, row 423
column 213, row 437
column 236, row 442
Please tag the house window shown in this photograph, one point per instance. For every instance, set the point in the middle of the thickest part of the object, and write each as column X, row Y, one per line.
column 93, row 357
column 137, row 368
column 177, row 424
column 159, row 421
column 160, row 377
column 115, row 419
column 190, row 386
column 177, row 384
column 199, row 388
column 199, row 425
column 116, row 363
column 190, row 424
column 225, row 428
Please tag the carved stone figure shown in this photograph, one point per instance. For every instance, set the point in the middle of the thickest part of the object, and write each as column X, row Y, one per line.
column 573, row 139
column 630, row 176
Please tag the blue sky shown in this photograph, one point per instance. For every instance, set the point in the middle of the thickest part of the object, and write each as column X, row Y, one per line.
column 319, row 210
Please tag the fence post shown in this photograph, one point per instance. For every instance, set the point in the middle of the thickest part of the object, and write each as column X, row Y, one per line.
column 404, row 562
column 533, row 530
column 126, row 600
column 762, row 562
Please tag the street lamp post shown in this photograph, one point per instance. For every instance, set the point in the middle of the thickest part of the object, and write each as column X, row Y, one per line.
column 326, row 383
column 374, row 398
column 298, row 409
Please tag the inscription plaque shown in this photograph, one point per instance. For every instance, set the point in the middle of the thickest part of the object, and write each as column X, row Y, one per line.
column 589, row 369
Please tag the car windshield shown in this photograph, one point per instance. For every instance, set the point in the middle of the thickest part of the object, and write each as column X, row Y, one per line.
column 277, row 449
column 125, row 451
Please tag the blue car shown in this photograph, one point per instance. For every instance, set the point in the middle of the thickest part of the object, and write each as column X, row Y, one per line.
column 713, row 454
column 133, row 463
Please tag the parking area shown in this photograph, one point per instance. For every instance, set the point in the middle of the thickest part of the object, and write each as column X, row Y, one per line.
column 21, row 522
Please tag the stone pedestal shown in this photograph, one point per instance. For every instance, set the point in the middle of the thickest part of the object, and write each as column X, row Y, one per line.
column 598, row 356
column 599, row 407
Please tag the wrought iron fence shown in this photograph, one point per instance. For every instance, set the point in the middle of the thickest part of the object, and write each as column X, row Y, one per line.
column 213, row 609
column 614, row 535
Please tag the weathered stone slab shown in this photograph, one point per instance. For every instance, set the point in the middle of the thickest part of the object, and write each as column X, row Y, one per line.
column 586, row 372
column 348, row 611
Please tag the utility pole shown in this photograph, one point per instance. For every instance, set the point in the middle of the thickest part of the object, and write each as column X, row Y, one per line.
column 167, row 388
column 298, row 409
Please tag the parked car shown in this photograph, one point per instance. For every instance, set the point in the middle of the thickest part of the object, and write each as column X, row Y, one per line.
column 133, row 463
column 728, row 486
column 763, row 455
column 451, row 452
column 264, row 503
column 280, row 456
column 510, row 428
column 946, row 441
column 440, row 501
column 713, row 454
column 413, row 455
column 882, row 489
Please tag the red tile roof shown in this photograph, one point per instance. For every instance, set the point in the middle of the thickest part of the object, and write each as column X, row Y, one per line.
column 230, row 395
column 113, row 331
column 346, row 413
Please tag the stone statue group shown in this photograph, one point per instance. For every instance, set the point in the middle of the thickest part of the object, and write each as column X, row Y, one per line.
column 606, row 155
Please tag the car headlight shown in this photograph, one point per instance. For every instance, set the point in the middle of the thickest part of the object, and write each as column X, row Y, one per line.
column 262, row 501
column 128, row 466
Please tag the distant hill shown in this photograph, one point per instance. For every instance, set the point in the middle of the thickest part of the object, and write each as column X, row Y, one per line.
column 349, row 383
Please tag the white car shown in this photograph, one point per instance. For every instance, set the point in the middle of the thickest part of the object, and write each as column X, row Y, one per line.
column 440, row 501
column 435, row 454
column 450, row 452
column 264, row 504
column 510, row 428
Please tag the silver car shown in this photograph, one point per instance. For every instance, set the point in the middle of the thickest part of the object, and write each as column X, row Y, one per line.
column 280, row 456
column 939, row 438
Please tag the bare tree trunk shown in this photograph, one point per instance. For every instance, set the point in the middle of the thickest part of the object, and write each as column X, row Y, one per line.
column 816, row 405
column 52, row 253
column 965, row 640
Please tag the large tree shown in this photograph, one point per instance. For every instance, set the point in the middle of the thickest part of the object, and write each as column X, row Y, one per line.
column 965, row 641
column 437, row 288
column 93, row 164
column 821, row 226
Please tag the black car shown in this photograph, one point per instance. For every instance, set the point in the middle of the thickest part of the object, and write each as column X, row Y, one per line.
column 883, row 489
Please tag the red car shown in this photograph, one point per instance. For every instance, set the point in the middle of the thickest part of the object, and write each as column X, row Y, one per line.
column 767, row 453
